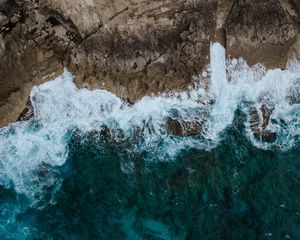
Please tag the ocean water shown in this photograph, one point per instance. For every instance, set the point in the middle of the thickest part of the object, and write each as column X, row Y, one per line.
column 91, row 166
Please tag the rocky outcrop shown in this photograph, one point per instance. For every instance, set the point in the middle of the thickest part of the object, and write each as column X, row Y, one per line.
column 29, row 50
column 259, row 31
column 28, row 112
column 183, row 128
column 260, row 119
column 147, row 47
column 133, row 47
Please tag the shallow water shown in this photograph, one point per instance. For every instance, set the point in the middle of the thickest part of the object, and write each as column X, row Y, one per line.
column 90, row 166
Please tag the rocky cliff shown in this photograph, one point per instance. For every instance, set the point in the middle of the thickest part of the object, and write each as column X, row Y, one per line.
column 134, row 47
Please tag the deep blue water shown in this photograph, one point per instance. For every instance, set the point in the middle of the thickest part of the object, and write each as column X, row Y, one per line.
column 234, row 191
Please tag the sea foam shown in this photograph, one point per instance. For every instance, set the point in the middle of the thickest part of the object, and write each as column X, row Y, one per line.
column 60, row 107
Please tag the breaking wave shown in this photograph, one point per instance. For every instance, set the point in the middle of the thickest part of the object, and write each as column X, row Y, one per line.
column 160, row 125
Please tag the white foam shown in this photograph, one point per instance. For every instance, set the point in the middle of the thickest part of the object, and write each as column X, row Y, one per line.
column 223, row 110
column 60, row 107
column 256, row 86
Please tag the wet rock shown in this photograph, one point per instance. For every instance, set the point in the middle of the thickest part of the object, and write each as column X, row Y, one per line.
column 266, row 115
column 2, row 48
column 3, row 20
column 183, row 128
column 260, row 31
column 127, row 101
column 28, row 112
column 260, row 119
column 296, row 5
column 294, row 93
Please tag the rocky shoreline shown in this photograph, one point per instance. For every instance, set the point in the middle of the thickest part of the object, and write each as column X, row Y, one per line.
column 134, row 47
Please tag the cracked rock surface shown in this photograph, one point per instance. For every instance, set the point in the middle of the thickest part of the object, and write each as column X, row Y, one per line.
column 134, row 47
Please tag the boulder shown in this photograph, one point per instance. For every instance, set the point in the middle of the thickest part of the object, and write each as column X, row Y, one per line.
column 132, row 47
column 183, row 128
column 259, row 120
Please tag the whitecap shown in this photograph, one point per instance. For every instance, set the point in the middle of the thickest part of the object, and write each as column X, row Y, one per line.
column 60, row 107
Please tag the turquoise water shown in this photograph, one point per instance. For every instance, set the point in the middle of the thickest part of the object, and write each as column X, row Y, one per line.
column 91, row 166
column 234, row 191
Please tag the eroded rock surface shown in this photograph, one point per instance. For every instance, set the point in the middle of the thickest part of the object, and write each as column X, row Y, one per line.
column 182, row 128
column 259, row 31
column 260, row 120
column 133, row 47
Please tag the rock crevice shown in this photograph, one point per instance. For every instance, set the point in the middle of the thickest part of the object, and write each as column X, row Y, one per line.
column 134, row 47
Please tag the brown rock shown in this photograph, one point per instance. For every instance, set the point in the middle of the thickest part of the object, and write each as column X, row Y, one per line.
column 27, row 113
column 3, row 20
column 260, row 119
column 183, row 128
column 131, row 47
column 296, row 5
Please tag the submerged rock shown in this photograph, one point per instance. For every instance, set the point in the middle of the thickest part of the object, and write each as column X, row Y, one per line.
column 28, row 112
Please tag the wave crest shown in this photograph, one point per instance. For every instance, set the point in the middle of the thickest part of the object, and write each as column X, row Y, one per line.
column 160, row 125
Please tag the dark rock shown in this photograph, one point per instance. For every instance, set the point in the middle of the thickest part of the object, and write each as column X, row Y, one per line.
column 260, row 31
column 296, row 5
column 28, row 112
column 260, row 119
column 294, row 93
column 2, row 4
column 131, row 48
